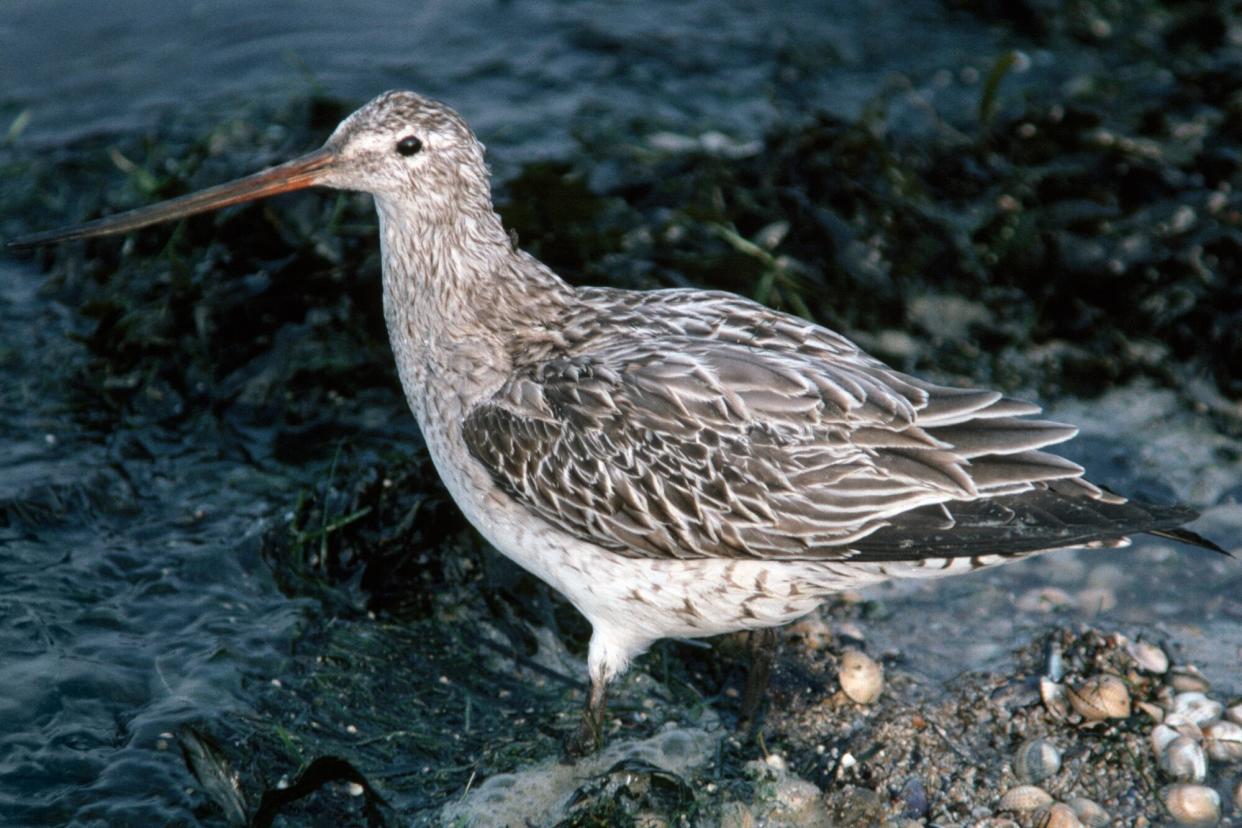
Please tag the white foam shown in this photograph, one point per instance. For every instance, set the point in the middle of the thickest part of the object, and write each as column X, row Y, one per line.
column 538, row 795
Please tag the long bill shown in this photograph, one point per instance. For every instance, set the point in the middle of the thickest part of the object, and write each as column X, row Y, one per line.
column 306, row 171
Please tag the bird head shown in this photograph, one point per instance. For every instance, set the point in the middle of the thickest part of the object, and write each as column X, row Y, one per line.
column 415, row 155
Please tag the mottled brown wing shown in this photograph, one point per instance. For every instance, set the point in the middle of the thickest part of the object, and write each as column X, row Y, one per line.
column 683, row 447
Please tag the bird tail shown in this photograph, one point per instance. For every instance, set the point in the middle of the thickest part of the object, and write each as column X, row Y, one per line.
column 1193, row 538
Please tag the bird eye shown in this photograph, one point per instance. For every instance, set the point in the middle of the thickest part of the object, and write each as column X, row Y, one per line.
column 409, row 145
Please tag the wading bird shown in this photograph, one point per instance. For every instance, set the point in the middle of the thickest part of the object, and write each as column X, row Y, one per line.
column 676, row 463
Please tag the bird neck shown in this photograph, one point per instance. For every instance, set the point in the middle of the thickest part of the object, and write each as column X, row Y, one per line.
column 437, row 264
column 460, row 299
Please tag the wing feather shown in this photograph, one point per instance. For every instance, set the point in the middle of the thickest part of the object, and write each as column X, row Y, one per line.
column 687, row 424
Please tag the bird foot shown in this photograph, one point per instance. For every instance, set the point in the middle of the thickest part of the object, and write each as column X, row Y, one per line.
column 582, row 741
column 588, row 736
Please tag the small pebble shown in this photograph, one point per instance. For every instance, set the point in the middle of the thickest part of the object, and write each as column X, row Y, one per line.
column 1024, row 798
column 914, row 799
column 1237, row 795
column 1194, row 805
column 861, row 677
column 1234, row 713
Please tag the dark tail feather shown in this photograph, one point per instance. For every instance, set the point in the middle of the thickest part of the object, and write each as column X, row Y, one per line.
column 1187, row 536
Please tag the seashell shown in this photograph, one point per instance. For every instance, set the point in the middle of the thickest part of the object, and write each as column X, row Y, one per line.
column 1188, row 679
column 1148, row 657
column 1014, row 695
column 1096, row 599
column 1197, row 707
column 1195, row 805
column 1036, row 760
column 1184, row 760
column 1100, row 697
column 1054, row 662
column 1234, row 713
column 1223, row 741
column 1237, row 795
column 1153, row 711
column 1089, row 813
column 850, row 630
column 1055, row 700
column 861, row 677
column 1058, row 816
column 1024, row 798
column 814, row 633
column 1043, row 599
column 1161, row 736
column 1184, row 726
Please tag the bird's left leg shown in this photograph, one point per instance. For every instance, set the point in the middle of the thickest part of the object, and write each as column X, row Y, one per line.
column 762, row 646
column 588, row 736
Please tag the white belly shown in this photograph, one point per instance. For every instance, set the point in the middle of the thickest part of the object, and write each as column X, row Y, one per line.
column 647, row 598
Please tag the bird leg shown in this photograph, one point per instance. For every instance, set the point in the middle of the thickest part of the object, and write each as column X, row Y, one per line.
column 589, row 735
column 762, row 646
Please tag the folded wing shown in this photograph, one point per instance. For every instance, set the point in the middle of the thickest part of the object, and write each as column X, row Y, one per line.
column 776, row 439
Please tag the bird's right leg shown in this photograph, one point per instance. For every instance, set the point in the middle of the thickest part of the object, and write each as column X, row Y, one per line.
column 762, row 645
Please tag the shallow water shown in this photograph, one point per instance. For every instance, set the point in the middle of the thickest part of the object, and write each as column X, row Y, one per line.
column 132, row 596
column 521, row 72
column 1136, row 440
